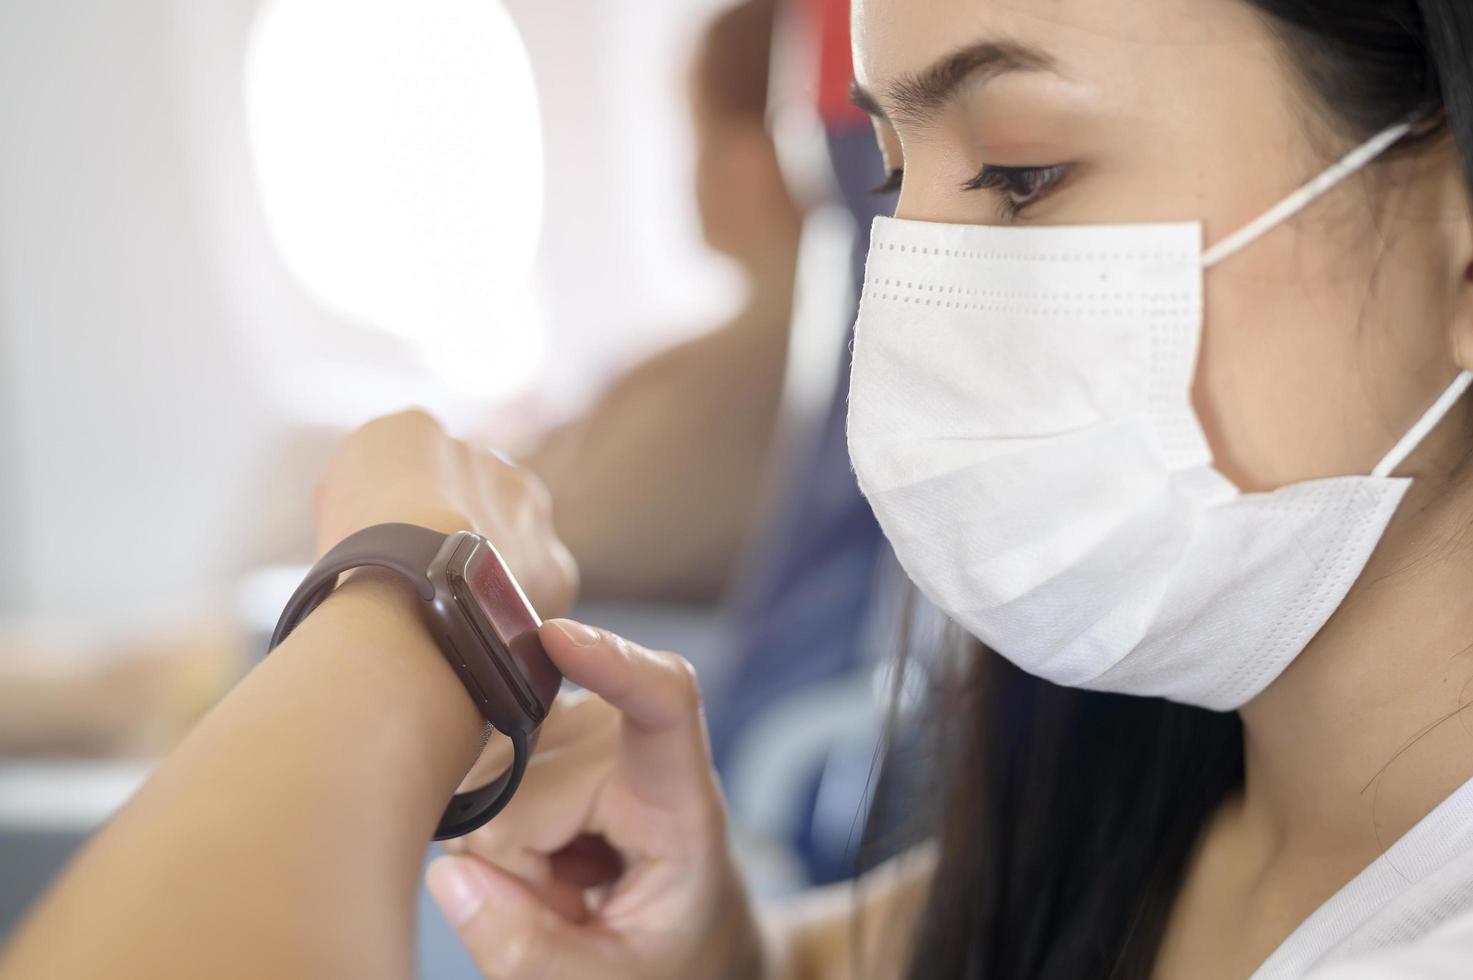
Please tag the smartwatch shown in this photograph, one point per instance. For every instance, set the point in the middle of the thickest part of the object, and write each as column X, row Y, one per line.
column 483, row 624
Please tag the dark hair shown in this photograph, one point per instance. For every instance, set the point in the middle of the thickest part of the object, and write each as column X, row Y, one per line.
column 1068, row 817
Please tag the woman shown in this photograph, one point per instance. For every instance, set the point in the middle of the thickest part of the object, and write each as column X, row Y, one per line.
column 1268, row 771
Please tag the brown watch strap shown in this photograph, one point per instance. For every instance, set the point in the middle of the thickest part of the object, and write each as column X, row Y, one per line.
column 408, row 550
column 403, row 548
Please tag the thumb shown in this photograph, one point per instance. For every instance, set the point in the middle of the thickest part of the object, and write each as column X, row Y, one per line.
column 510, row 933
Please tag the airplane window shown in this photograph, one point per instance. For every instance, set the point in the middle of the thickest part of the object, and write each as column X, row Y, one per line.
column 398, row 153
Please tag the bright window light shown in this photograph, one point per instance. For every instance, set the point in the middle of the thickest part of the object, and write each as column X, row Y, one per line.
column 399, row 156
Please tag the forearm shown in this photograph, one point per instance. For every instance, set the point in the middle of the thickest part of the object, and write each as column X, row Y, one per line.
column 675, row 453
column 285, row 835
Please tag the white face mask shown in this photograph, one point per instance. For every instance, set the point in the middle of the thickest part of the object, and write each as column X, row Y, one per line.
column 1021, row 421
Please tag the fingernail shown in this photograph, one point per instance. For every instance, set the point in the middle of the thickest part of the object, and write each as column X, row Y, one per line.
column 459, row 893
column 577, row 633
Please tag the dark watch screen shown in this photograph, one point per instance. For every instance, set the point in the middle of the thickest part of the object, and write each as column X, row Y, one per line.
column 512, row 622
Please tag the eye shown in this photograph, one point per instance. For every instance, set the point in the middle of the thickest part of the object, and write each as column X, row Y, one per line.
column 1018, row 186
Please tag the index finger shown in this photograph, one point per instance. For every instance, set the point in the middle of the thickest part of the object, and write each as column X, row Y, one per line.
column 663, row 738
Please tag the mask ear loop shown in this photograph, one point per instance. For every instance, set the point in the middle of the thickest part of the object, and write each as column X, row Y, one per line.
column 1356, row 160
column 1426, row 424
column 1353, row 162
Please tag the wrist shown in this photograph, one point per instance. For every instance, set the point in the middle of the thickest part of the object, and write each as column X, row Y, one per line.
column 371, row 639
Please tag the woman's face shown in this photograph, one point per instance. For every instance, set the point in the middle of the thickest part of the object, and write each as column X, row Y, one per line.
column 1325, row 340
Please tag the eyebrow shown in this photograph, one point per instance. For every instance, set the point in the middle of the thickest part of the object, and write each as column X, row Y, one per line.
column 918, row 97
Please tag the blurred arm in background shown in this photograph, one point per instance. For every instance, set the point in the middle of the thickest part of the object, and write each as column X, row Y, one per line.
column 130, row 698
column 655, row 487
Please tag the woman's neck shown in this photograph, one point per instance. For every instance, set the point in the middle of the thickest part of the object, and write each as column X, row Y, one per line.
column 1366, row 731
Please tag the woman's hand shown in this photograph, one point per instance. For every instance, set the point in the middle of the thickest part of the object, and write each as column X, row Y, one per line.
column 405, row 468
column 611, row 861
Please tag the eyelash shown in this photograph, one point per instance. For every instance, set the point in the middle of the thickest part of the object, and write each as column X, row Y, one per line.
column 1018, row 187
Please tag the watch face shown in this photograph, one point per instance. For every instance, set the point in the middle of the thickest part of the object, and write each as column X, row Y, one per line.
column 511, row 622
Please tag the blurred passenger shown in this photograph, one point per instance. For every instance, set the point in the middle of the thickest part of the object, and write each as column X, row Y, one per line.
column 671, row 463
column 668, row 465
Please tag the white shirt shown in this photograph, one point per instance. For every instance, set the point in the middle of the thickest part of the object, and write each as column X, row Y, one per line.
column 1408, row 916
